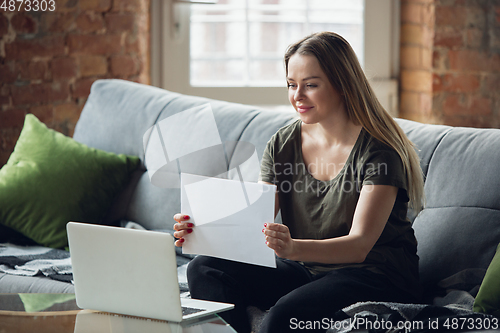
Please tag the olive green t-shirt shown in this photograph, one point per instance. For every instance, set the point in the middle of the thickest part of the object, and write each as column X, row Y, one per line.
column 315, row 209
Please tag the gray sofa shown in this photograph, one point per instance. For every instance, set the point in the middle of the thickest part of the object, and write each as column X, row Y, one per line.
column 458, row 231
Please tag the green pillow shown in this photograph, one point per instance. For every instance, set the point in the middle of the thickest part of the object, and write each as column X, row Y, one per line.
column 488, row 298
column 50, row 179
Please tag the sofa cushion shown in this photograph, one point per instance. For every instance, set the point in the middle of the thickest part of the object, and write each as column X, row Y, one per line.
column 450, row 240
column 488, row 297
column 460, row 225
column 33, row 284
column 426, row 139
column 51, row 179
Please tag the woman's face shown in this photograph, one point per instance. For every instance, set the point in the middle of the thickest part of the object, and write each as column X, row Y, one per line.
column 310, row 92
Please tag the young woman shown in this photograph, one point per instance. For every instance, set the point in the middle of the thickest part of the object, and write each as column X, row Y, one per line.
column 346, row 174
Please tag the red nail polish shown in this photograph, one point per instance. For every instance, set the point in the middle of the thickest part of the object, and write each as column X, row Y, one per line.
column 190, row 231
column 263, row 230
column 186, row 217
column 181, row 240
column 265, row 224
column 190, row 225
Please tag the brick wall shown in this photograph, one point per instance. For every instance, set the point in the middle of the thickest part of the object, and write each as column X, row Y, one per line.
column 466, row 82
column 417, row 29
column 48, row 60
column 450, row 62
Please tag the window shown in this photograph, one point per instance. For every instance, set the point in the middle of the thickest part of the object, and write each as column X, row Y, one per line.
column 233, row 50
column 240, row 43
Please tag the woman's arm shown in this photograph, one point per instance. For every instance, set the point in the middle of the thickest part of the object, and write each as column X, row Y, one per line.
column 370, row 217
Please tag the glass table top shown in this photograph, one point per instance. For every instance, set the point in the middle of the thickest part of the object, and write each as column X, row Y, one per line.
column 58, row 313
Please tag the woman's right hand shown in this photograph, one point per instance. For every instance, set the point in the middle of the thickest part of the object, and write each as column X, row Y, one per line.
column 182, row 228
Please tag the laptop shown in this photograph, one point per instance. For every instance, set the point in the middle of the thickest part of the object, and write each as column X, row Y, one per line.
column 130, row 272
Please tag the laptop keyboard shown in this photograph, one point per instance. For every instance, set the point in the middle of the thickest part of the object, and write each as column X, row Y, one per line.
column 187, row 311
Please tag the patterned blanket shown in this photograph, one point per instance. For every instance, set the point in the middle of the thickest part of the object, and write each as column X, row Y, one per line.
column 35, row 260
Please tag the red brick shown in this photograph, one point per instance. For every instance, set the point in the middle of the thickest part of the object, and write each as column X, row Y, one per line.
column 40, row 93
column 5, row 90
column 33, row 70
column 81, row 88
column 28, row 49
column 495, row 62
column 8, row 139
column 123, row 66
column 136, row 6
column 95, row 5
column 23, row 24
column 468, row 60
column 4, row 96
column 90, row 65
column 449, row 38
column 470, row 121
column 66, row 6
column 481, row 105
column 455, row 104
column 492, row 83
column 11, row 118
column 474, row 37
column 4, row 25
column 117, row 22
column 458, row 104
column 65, row 128
column 4, row 101
column 8, row 73
column 58, row 22
column 63, row 68
column 451, row 15
column 94, row 44
column 437, row 83
column 476, row 17
column 132, row 45
column 89, row 22
column 495, row 40
column 460, row 83
column 45, row 113
column 425, row 2
column 67, row 112
column 439, row 61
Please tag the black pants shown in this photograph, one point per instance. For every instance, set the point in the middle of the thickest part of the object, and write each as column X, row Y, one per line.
column 295, row 297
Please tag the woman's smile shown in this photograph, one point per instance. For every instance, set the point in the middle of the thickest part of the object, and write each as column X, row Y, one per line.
column 303, row 108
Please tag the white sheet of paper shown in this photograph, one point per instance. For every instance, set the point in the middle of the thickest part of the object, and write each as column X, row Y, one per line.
column 229, row 216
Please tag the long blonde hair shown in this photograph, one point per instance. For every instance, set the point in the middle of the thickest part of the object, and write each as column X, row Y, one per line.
column 339, row 62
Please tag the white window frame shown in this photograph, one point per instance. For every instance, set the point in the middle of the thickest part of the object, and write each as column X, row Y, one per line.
column 170, row 55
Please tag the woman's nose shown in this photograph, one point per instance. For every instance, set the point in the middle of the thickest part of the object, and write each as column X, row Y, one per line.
column 298, row 94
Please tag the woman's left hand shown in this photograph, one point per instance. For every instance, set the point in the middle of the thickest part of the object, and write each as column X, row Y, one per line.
column 278, row 238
